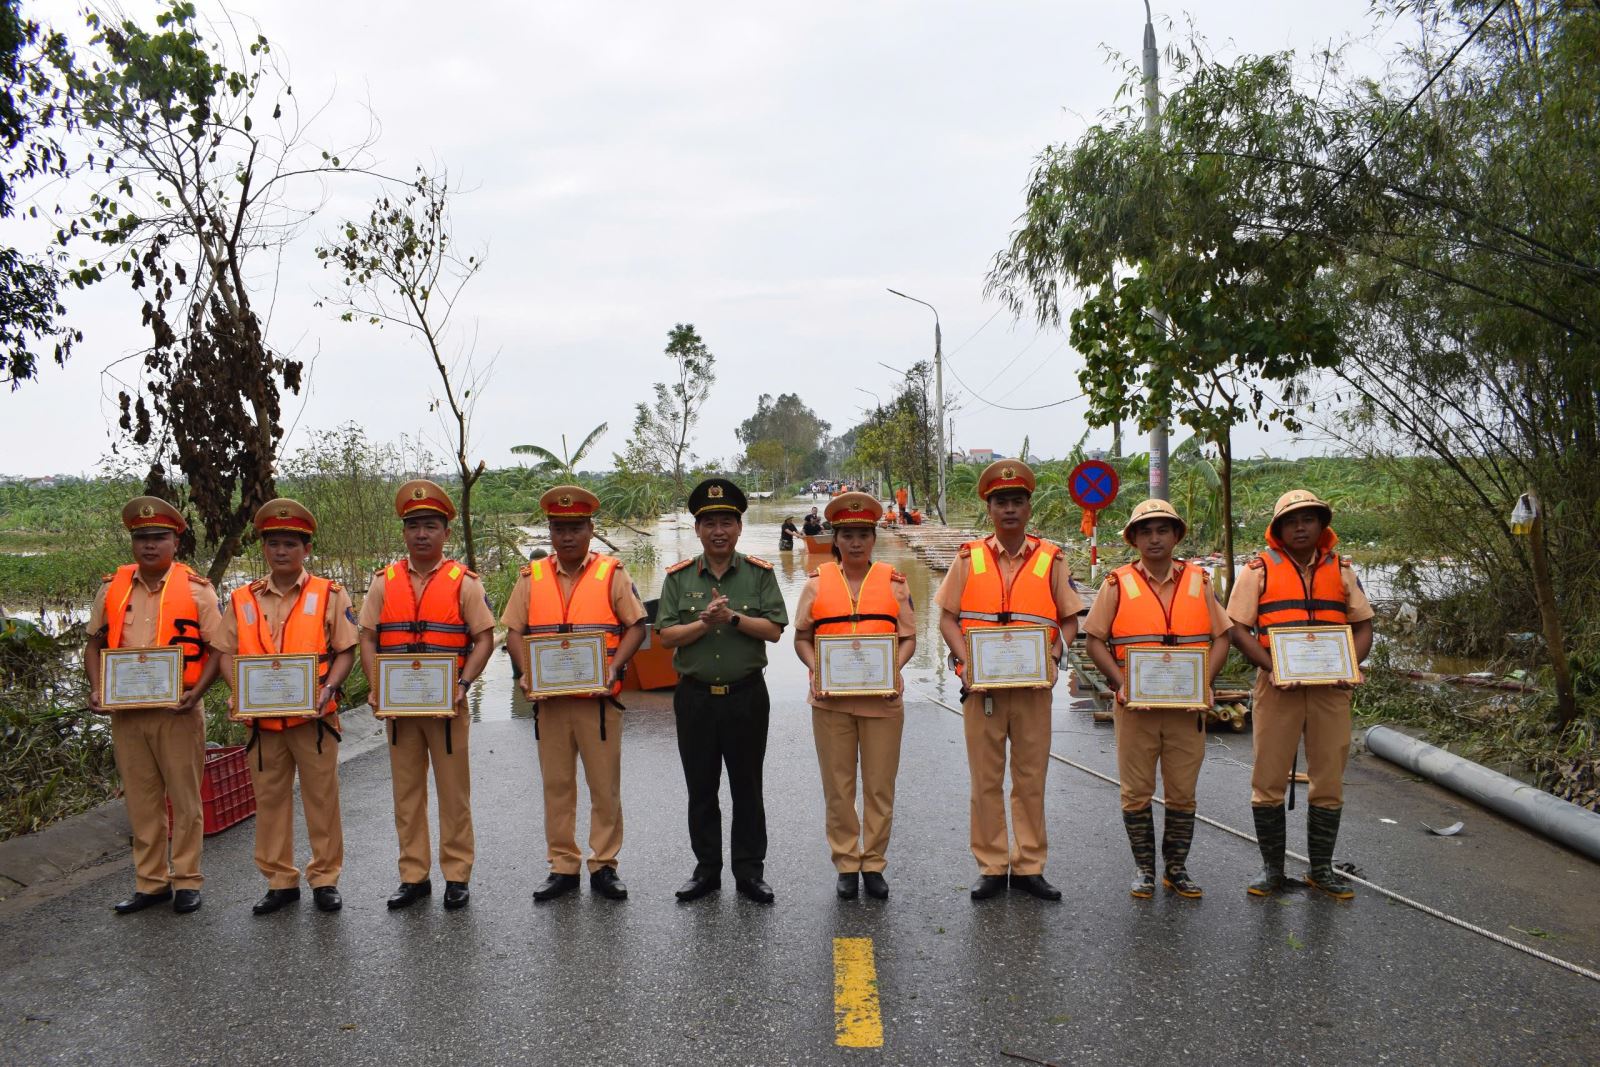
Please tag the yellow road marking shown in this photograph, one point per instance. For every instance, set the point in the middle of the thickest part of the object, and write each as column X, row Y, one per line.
column 856, row 1019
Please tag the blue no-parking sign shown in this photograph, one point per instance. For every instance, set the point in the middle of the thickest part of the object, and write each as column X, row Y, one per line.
column 1093, row 484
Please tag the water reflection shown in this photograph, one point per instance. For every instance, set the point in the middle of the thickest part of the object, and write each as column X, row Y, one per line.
column 673, row 538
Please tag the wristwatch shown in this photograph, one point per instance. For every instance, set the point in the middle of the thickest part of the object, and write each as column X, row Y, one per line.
column 733, row 620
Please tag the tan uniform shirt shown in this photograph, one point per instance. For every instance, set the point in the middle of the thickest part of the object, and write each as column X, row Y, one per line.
column 625, row 603
column 143, row 612
column 475, row 610
column 338, row 615
column 1251, row 583
column 866, row 707
column 1098, row 621
column 1068, row 602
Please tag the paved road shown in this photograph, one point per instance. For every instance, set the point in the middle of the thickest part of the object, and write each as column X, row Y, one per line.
column 1096, row 979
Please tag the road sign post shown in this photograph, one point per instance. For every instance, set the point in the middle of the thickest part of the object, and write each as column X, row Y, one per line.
column 1093, row 486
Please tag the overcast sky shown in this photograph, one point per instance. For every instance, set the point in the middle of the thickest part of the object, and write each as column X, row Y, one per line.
column 762, row 172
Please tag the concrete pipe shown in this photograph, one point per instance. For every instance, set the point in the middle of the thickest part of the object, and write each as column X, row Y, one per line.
column 1577, row 828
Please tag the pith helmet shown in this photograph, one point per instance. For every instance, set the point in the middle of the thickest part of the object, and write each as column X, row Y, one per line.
column 1299, row 500
column 1154, row 509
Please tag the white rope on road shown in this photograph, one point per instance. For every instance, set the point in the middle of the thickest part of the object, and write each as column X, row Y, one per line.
column 1399, row 898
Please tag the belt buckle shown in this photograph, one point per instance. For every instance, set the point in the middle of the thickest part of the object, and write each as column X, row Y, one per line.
column 719, row 690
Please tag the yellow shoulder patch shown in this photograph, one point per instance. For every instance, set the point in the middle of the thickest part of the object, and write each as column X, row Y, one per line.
column 678, row 566
column 759, row 562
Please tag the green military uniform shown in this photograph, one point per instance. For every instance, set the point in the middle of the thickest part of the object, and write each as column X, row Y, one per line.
column 723, row 656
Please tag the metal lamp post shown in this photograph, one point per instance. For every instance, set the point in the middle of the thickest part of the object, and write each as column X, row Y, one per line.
column 938, row 389
column 1152, row 126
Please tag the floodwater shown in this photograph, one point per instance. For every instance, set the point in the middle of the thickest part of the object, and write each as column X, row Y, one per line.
column 673, row 538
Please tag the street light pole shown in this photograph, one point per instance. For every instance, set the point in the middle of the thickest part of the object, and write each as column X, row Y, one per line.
column 1152, row 126
column 938, row 389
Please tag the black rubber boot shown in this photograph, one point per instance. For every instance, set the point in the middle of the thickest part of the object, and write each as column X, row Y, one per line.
column 1322, row 831
column 1271, row 837
column 1141, row 827
column 1177, row 833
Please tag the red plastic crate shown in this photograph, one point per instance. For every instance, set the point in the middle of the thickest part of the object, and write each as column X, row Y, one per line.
column 226, row 793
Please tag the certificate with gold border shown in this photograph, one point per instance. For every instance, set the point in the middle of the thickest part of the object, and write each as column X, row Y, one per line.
column 271, row 687
column 1166, row 677
column 420, row 685
column 1008, row 657
column 1313, row 655
column 133, row 678
column 856, row 665
column 566, row 665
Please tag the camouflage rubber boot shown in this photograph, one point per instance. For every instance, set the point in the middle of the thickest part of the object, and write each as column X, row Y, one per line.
column 1141, row 827
column 1271, row 837
column 1322, row 831
column 1177, row 833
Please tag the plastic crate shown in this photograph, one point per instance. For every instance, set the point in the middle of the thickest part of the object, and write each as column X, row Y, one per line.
column 227, row 795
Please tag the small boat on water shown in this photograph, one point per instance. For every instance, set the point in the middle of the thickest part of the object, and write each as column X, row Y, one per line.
column 819, row 544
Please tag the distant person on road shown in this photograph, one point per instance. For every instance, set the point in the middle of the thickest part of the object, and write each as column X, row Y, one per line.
column 156, row 602
column 1010, row 578
column 811, row 525
column 577, row 591
column 293, row 612
column 427, row 603
column 786, row 535
column 718, row 611
column 1157, row 602
column 856, row 596
column 1298, row 580
column 902, row 499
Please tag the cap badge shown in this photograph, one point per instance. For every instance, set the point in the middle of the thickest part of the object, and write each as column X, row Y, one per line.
column 565, row 500
column 1008, row 472
column 419, row 493
column 714, row 492
column 147, row 511
column 283, row 513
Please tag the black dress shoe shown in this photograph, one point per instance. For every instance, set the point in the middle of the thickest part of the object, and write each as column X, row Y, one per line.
column 1035, row 886
column 186, row 900
column 987, row 886
column 698, row 886
column 275, row 899
column 876, row 887
column 556, row 885
column 755, row 889
column 327, row 898
column 140, row 901
column 607, row 884
column 456, row 895
column 409, row 893
column 847, row 886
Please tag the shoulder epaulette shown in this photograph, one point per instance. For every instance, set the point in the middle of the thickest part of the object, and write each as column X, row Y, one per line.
column 335, row 587
column 966, row 552
column 525, row 570
column 678, row 566
column 382, row 569
column 199, row 579
column 469, row 573
column 1348, row 561
column 108, row 578
column 1257, row 562
column 259, row 583
column 759, row 562
column 896, row 576
column 814, row 574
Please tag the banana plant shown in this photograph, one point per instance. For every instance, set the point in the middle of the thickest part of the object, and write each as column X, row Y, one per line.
column 565, row 463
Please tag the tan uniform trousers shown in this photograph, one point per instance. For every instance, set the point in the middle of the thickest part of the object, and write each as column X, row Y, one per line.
column 1148, row 736
column 570, row 730
column 1280, row 717
column 1021, row 716
column 277, row 756
column 414, row 745
column 161, row 757
column 843, row 740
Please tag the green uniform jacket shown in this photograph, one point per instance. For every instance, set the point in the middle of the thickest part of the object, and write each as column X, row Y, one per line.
column 724, row 655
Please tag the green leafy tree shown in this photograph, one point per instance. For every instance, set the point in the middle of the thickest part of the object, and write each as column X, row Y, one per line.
column 663, row 429
column 797, row 432
column 565, row 463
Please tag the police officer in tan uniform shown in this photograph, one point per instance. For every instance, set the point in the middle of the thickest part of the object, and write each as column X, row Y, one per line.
column 414, row 618
column 1022, row 580
column 294, row 613
column 570, row 728
column 160, row 751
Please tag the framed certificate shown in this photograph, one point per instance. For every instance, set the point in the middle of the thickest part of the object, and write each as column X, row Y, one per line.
column 141, row 678
column 1008, row 657
column 856, row 665
column 1313, row 655
column 275, row 686
column 566, row 664
column 1166, row 677
column 418, row 685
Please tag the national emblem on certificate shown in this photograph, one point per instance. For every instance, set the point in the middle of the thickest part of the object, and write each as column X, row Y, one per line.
column 1313, row 655
column 141, row 677
column 416, row 685
column 1166, row 677
column 856, row 665
column 275, row 686
column 1008, row 657
column 567, row 664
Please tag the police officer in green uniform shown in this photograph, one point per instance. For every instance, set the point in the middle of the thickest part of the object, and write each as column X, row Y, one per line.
column 718, row 611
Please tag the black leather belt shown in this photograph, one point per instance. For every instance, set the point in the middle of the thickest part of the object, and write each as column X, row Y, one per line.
column 721, row 690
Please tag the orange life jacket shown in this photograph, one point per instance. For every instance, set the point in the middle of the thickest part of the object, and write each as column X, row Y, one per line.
column 177, row 621
column 304, row 633
column 874, row 611
column 589, row 609
column 986, row 601
column 1141, row 620
column 433, row 625
column 1289, row 599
